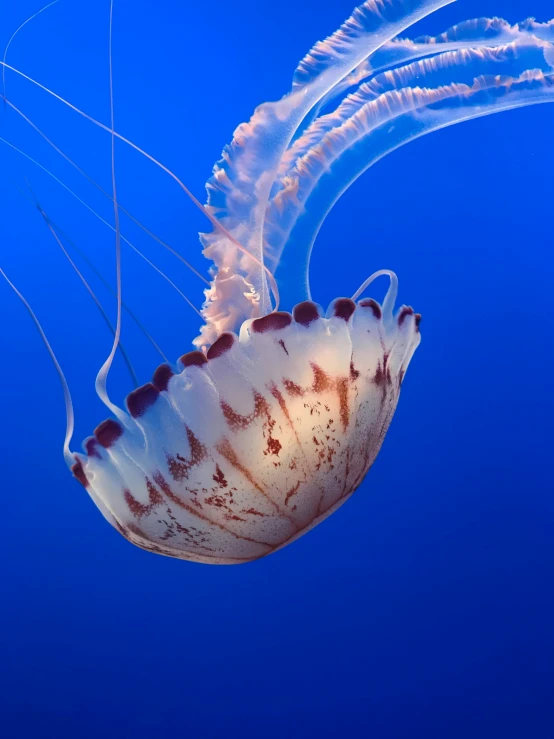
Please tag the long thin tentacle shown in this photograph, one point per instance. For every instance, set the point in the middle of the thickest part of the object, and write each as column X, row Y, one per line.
column 123, row 238
column 69, row 414
column 14, row 34
column 213, row 220
column 104, row 192
column 86, row 259
column 92, row 294
column 102, row 377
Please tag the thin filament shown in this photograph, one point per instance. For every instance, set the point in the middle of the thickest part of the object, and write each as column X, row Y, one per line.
column 109, row 225
column 14, row 34
column 70, row 418
column 101, row 189
column 215, row 223
column 92, row 294
column 84, row 256
column 102, row 377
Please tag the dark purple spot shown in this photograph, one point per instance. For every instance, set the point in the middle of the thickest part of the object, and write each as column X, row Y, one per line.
column 193, row 359
column 406, row 311
column 79, row 473
column 305, row 313
column 343, row 308
column 91, row 447
column 222, row 345
column 141, row 399
column 417, row 317
column 374, row 305
column 108, row 432
column 379, row 378
column 272, row 322
column 162, row 376
column 354, row 373
column 219, row 477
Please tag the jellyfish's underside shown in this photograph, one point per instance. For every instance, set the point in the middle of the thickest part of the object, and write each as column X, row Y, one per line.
column 275, row 420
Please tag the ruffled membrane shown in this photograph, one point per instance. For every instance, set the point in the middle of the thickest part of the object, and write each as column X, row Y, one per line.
column 355, row 97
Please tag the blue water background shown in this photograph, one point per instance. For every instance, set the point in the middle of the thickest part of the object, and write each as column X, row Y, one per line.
column 424, row 607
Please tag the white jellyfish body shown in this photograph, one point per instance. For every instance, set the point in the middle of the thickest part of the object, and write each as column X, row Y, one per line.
column 275, row 420
column 254, row 443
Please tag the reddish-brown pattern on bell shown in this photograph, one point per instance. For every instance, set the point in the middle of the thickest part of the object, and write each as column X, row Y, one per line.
column 233, row 462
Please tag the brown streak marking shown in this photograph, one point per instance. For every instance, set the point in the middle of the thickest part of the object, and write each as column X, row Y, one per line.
column 261, row 408
column 292, row 388
column 292, row 492
column 216, row 501
column 354, row 373
column 166, row 551
column 254, row 512
column 166, row 489
column 236, row 421
column 322, row 381
column 379, row 377
column 227, row 452
column 179, row 468
column 219, row 477
column 367, row 464
column 283, row 345
column 139, row 509
column 130, row 530
column 274, row 390
column 189, row 536
column 342, row 389
column 347, row 471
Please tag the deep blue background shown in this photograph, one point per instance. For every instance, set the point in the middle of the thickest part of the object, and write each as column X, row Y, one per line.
column 424, row 607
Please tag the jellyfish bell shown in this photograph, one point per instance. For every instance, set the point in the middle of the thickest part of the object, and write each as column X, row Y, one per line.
column 276, row 417
column 250, row 445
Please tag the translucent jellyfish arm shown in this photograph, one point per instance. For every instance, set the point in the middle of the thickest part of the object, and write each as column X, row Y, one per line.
column 480, row 33
column 468, row 34
column 239, row 190
column 390, row 110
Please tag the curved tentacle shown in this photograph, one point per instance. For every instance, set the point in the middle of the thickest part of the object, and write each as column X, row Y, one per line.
column 469, row 34
column 242, row 181
column 392, row 109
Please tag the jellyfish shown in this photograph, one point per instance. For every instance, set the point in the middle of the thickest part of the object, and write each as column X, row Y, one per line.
column 274, row 419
